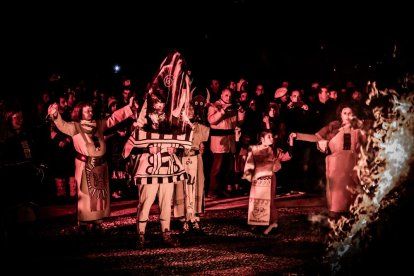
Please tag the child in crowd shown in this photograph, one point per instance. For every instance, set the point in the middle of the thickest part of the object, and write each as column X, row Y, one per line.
column 261, row 165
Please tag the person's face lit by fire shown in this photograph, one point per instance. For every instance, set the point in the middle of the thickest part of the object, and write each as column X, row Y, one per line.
column 267, row 139
column 215, row 86
column 17, row 120
column 356, row 96
column 87, row 113
column 159, row 106
column 226, row 96
column 233, row 85
column 244, row 96
column 333, row 94
column 272, row 112
column 259, row 90
column 323, row 95
column 346, row 115
column 253, row 105
column 126, row 94
column 63, row 104
column 295, row 96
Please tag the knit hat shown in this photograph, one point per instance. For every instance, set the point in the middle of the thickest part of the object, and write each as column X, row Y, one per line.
column 111, row 101
column 280, row 92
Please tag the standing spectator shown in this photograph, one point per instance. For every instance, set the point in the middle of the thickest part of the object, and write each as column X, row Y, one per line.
column 213, row 91
column 281, row 97
column 272, row 121
column 91, row 169
column 241, row 85
column 60, row 147
column 223, row 118
column 250, row 130
column 19, row 173
column 71, row 100
column 322, row 112
column 115, row 139
column 297, row 120
column 260, row 97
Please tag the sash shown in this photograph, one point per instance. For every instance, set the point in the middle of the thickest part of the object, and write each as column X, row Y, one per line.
column 96, row 174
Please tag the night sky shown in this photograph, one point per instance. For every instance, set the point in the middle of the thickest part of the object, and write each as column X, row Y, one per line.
column 259, row 40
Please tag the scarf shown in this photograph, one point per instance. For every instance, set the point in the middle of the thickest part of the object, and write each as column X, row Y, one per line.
column 89, row 127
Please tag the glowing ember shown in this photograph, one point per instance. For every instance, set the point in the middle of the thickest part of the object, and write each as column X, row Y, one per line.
column 383, row 165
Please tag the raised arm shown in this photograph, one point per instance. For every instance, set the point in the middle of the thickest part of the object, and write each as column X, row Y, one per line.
column 307, row 137
column 321, row 143
column 121, row 114
column 67, row 128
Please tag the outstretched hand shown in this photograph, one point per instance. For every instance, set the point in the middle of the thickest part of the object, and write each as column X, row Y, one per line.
column 53, row 110
column 187, row 120
column 322, row 146
column 133, row 104
column 292, row 137
column 171, row 150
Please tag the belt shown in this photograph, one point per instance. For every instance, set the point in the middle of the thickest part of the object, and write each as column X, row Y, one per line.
column 264, row 178
column 89, row 159
column 144, row 150
column 191, row 152
column 221, row 132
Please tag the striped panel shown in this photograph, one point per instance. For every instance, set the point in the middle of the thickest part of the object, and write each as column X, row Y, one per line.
column 147, row 180
column 143, row 139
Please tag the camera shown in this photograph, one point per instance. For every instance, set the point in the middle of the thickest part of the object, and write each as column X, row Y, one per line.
column 233, row 107
column 298, row 104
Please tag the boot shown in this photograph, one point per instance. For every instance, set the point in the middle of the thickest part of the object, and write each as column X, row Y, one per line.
column 84, row 229
column 97, row 229
column 186, row 227
column 196, row 227
column 141, row 240
column 168, row 240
